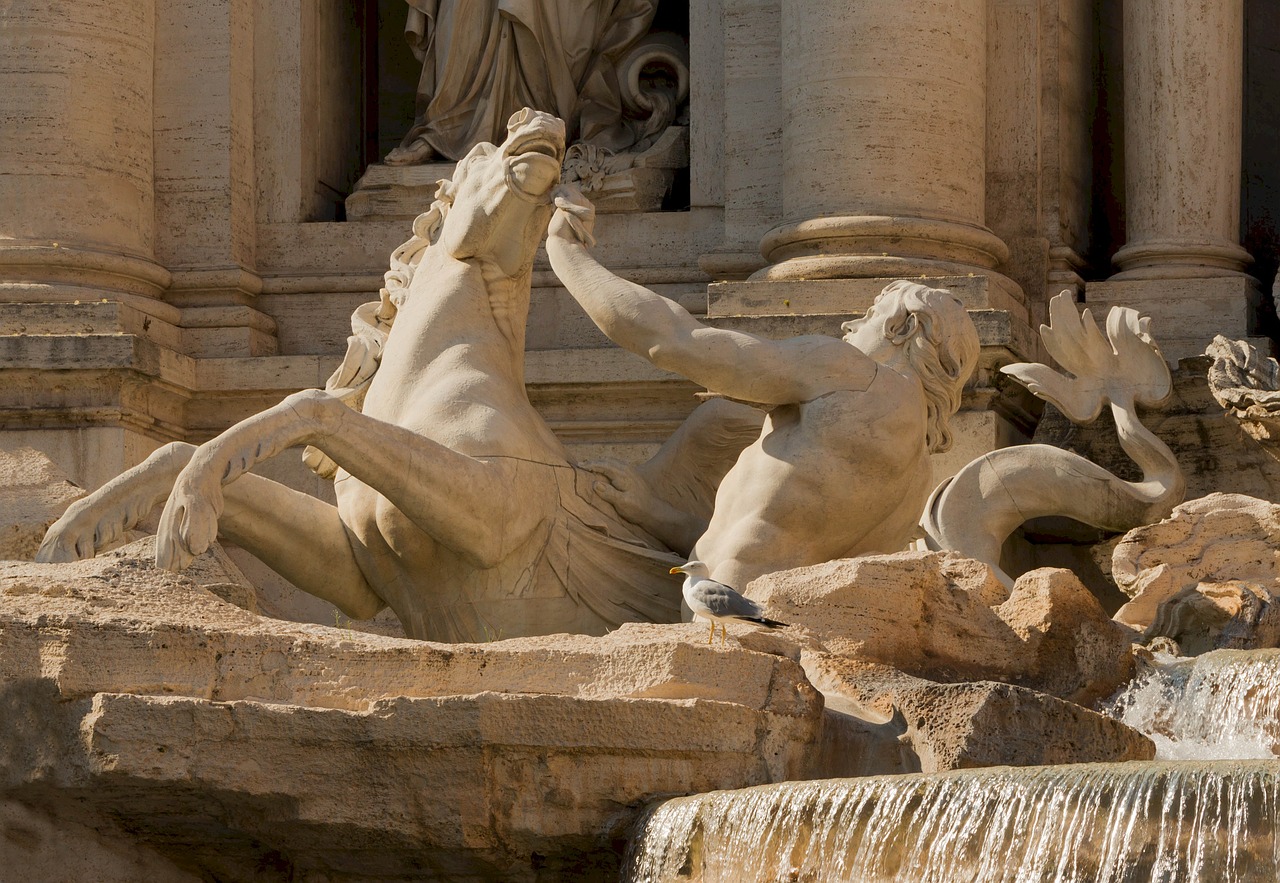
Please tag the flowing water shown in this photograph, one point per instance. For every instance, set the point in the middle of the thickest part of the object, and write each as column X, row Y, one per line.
column 1222, row 705
column 1102, row 823
column 1206, row 811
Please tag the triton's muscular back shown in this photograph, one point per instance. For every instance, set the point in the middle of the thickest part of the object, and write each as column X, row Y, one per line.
column 845, row 474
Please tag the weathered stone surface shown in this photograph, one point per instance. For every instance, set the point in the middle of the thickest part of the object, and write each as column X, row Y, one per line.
column 937, row 615
column 239, row 746
column 33, row 493
column 931, row 727
column 1207, row 576
column 1235, row 615
column 1216, row 537
column 37, row 846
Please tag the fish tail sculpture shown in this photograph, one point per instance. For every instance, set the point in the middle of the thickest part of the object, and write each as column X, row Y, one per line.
column 976, row 510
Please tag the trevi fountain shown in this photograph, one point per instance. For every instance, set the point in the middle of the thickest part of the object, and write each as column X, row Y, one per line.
column 779, row 440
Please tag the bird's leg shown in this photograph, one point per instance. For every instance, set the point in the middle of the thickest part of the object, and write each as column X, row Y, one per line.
column 724, row 633
column 713, row 631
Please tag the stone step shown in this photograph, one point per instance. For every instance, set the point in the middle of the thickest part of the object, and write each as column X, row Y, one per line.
column 195, row 331
column 91, row 317
column 836, row 296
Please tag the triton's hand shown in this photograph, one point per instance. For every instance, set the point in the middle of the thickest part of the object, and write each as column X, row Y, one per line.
column 624, row 488
column 575, row 217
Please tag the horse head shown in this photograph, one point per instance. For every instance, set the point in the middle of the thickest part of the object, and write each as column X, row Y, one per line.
column 500, row 197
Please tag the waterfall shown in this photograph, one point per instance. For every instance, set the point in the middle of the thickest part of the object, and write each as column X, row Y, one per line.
column 1221, row 705
column 1159, row 821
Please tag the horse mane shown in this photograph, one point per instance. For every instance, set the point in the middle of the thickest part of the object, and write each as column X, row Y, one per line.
column 371, row 322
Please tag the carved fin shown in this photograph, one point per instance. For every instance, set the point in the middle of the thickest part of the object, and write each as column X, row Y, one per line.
column 1123, row 367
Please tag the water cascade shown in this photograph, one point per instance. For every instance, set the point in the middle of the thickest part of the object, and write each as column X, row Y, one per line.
column 1222, row 705
column 1108, row 823
column 1207, row 809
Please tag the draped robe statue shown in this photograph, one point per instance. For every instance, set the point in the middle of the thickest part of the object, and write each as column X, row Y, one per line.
column 482, row 60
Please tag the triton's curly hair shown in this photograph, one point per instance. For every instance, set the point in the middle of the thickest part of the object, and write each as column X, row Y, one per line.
column 942, row 348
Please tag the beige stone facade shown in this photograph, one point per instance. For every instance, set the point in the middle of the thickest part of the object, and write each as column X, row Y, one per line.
column 173, row 177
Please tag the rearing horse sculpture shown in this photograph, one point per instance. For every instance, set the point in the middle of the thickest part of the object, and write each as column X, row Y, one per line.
column 456, row 505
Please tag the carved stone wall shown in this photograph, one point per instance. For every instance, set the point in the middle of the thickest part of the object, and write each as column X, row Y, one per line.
column 186, row 163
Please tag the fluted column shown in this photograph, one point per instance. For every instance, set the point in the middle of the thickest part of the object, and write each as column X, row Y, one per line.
column 1183, row 76
column 77, row 213
column 884, row 141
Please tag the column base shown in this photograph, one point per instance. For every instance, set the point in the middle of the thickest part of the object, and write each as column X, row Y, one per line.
column 220, row 316
column 878, row 246
column 1185, row 313
column 45, row 271
column 1179, row 260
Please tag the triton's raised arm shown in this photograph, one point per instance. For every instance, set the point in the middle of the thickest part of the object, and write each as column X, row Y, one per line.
column 734, row 363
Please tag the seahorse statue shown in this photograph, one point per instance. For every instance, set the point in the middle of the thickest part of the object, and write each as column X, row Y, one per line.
column 977, row 509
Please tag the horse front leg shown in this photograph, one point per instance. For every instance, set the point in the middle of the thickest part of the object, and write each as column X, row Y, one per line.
column 472, row 506
column 296, row 535
column 101, row 518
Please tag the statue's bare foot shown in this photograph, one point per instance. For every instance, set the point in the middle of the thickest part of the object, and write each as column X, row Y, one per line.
column 411, row 154
column 189, row 523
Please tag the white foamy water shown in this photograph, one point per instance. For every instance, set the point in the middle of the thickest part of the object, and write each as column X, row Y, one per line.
column 1220, row 706
column 1102, row 823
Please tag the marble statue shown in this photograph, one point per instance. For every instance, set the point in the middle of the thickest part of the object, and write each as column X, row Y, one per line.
column 482, row 60
column 1246, row 383
column 841, row 466
column 456, row 505
column 976, row 510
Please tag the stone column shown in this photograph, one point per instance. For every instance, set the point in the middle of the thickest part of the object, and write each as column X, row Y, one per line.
column 206, row 187
column 1183, row 84
column 76, row 151
column 1182, row 264
column 884, row 141
column 883, row 110
column 81, row 308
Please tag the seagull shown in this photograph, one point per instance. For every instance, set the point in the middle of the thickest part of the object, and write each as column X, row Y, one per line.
column 717, row 602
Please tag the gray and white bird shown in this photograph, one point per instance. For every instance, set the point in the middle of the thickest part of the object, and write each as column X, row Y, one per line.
column 717, row 602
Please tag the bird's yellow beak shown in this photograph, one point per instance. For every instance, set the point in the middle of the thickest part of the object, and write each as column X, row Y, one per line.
column 676, row 570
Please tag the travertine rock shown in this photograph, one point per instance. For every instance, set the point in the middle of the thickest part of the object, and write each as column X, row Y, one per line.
column 1235, row 615
column 229, row 742
column 38, row 846
column 1217, row 537
column 934, row 727
column 1207, row 576
column 33, row 493
column 938, row 615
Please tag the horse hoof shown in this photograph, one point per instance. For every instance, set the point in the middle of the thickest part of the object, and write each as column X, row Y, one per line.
column 188, row 526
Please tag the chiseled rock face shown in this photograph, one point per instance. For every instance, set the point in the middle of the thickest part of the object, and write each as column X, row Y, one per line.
column 1207, row 576
column 37, row 846
column 939, row 616
column 251, row 748
column 33, row 493
column 931, row 727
